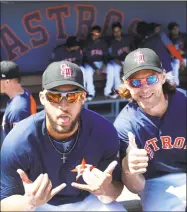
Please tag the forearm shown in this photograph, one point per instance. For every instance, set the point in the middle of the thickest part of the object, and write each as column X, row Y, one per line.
column 134, row 183
column 112, row 193
column 16, row 203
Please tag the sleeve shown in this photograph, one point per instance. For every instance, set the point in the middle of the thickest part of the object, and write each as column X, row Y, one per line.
column 123, row 126
column 17, row 115
column 12, row 158
column 87, row 59
column 169, row 45
column 112, row 154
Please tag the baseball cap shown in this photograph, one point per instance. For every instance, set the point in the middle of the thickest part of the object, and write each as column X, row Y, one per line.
column 9, row 70
column 72, row 41
column 62, row 73
column 141, row 58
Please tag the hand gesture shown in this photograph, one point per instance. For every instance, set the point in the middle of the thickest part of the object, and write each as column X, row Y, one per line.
column 40, row 191
column 136, row 160
column 98, row 182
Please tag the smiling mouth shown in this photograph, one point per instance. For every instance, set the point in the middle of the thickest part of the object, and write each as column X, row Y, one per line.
column 147, row 96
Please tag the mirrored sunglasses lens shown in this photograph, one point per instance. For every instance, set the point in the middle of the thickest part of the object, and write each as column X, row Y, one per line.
column 135, row 83
column 152, row 80
column 72, row 97
column 54, row 97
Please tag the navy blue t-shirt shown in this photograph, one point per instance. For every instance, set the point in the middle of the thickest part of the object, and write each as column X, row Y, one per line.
column 163, row 138
column 27, row 147
column 17, row 109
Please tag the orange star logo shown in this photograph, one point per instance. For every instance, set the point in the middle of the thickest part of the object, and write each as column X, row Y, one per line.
column 81, row 168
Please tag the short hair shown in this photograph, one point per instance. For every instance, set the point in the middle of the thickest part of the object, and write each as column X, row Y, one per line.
column 96, row 28
column 142, row 28
column 171, row 25
column 116, row 24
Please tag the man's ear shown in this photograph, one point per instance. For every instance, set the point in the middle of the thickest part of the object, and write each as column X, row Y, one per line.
column 84, row 94
column 42, row 97
column 7, row 82
column 163, row 77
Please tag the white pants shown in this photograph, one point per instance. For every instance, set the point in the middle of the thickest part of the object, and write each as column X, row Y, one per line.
column 166, row 193
column 90, row 203
column 175, row 69
column 83, row 71
column 117, row 71
column 89, row 73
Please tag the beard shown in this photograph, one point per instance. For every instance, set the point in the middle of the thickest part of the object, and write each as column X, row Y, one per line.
column 63, row 129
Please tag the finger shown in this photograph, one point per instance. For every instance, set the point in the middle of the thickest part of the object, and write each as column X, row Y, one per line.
column 111, row 167
column 43, row 186
column 23, row 176
column 138, row 166
column 98, row 173
column 138, row 152
column 135, row 159
column 140, row 171
column 49, row 187
column 82, row 187
column 57, row 189
column 37, row 183
column 89, row 177
column 132, row 142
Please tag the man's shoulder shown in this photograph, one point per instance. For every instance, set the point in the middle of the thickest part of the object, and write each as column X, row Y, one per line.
column 94, row 120
column 129, row 110
column 127, row 116
column 25, row 129
column 177, row 97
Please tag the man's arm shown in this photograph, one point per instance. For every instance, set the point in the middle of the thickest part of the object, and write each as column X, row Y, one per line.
column 114, row 191
column 134, row 183
column 101, row 184
column 133, row 166
column 16, row 203
column 36, row 193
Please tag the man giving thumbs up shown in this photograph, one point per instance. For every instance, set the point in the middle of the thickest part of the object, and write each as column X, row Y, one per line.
column 158, row 124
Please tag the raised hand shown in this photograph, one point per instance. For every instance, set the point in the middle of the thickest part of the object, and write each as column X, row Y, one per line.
column 136, row 160
column 40, row 191
column 97, row 182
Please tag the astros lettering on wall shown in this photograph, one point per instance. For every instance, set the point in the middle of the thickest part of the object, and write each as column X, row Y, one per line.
column 86, row 16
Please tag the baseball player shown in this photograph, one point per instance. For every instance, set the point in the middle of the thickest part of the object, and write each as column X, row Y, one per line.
column 120, row 46
column 152, row 130
column 159, row 42
column 70, row 51
column 96, row 60
column 63, row 158
column 21, row 103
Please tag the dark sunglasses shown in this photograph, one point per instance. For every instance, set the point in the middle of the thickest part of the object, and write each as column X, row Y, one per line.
column 138, row 83
column 57, row 96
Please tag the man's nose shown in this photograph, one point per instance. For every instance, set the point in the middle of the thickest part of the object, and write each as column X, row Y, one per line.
column 64, row 104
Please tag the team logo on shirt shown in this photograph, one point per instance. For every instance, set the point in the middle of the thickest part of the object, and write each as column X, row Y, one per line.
column 66, row 71
column 81, row 168
column 139, row 57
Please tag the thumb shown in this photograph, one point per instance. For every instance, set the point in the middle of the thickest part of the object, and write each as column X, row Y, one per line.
column 132, row 142
column 24, row 176
column 111, row 167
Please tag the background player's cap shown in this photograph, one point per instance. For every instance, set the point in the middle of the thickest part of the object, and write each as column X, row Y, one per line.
column 9, row 70
column 72, row 41
column 62, row 73
column 139, row 59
